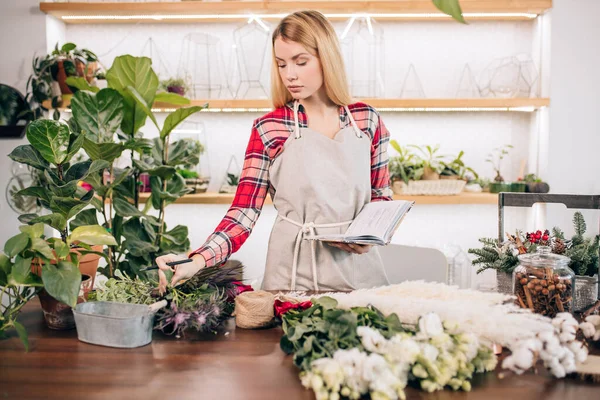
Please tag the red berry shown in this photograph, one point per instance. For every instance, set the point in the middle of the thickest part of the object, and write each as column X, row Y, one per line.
column 545, row 237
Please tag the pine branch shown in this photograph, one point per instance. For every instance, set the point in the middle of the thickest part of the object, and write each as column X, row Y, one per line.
column 558, row 233
column 579, row 223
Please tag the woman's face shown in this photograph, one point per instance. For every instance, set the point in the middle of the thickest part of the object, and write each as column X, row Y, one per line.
column 300, row 71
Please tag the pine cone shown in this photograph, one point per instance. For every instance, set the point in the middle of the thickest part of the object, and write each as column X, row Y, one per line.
column 559, row 246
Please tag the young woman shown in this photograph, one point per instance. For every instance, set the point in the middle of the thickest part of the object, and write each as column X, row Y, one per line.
column 320, row 156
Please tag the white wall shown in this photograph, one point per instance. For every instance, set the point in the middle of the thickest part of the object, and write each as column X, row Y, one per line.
column 22, row 34
column 573, row 161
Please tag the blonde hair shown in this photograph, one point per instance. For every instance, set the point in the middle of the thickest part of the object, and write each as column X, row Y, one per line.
column 313, row 31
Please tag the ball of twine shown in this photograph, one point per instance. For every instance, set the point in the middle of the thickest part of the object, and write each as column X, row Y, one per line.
column 254, row 309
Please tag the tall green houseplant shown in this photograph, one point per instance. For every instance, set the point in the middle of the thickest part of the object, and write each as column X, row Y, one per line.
column 123, row 109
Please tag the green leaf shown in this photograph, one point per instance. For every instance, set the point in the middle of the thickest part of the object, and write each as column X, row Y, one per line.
column 139, row 248
column 145, row 107
column 138, row 144
column 135, row 72
column 103, row 151
column 67, row 206
column 27, row 218
column 163, row 171
column 80, row 83
column 41, row 246
column 61, row 249
column 175, row 189
column 20, row 271
column 92, row 235
column 177, row 235
column 27, row 154
column 5, row 265
column 182, row 152
column 100, row 114
column 126, row 209
column 75, row 144
column 62, row 281
column 22, row 332
column 16, row 244
column 35, row 191
column 171, row 98
column 50, row 138
column 79, row 171
column 54, row 220
column 85, row 217
column 177, row 117
column 63, row 190
column 68, row 47
column 326, row 302
column 150, row 229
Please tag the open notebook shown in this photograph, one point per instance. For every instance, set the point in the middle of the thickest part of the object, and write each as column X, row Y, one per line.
column 375, row 224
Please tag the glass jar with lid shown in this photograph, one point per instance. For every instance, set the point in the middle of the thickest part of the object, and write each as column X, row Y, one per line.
column 544, row 283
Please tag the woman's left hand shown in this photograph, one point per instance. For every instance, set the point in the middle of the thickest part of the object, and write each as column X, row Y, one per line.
column 351, row 247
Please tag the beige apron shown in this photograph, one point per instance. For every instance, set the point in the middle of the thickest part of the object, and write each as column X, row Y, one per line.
column 321, row 185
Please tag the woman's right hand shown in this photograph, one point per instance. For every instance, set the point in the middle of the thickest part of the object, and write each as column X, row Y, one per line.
column 181, row 271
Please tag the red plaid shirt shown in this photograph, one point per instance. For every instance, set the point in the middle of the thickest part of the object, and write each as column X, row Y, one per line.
column 269, row 133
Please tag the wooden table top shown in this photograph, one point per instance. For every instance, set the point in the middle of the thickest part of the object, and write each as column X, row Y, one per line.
column 243, row 364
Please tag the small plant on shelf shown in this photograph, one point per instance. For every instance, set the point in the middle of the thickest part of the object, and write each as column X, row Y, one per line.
column 432, row 161
column 495, row 158
column 406, row 166
column 456, row 169
column 175, row 85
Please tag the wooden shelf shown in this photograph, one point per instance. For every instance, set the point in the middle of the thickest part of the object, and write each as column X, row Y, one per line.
column 392, row 105
column 199, row 11
column 463, row 198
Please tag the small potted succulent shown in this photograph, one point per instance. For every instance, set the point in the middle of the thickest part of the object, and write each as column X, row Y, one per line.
column 51, row 150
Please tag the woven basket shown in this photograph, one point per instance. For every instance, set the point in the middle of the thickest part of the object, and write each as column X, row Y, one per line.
column 441, row 187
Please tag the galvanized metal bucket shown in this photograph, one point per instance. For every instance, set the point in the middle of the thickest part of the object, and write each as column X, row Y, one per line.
column 586, row 291
column 112, row 324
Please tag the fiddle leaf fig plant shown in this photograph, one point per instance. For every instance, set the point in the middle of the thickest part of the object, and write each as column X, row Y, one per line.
column 113, row 131
column 51, row 150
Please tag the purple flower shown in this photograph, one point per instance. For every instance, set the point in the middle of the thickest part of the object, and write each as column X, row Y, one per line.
column 201, row 319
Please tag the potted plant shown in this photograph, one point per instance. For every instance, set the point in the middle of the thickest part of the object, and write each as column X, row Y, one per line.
column 68, row 61
column 499, row 185
column 51, row 150
column 48, row 80
column 456, row 169
column 432, row 161
column 140, row 235
column 407, row 171
column 535, row 184
column 175, row 85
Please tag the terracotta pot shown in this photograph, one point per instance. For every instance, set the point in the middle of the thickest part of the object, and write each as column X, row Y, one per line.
column 61, row 78
column 88, row 264
column 430, row 175
column 59, row 316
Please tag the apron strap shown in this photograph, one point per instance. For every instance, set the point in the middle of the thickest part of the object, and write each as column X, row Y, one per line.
column 308, row 227
column 296, row 124
column 357, row 131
